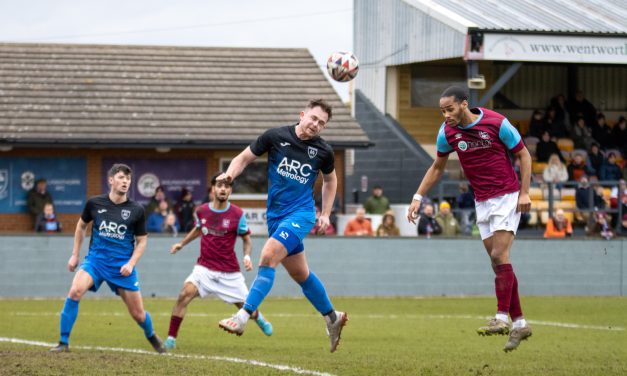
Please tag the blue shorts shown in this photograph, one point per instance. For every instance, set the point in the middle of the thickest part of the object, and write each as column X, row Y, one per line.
column 291, row 230
column 101, row 272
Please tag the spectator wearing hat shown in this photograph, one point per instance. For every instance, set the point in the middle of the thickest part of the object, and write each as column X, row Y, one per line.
column 377, row 203
column 37, row 198
column 447, row 221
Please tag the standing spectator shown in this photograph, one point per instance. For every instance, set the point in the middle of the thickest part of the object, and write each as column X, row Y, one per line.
column 596, row 159
column 318, row 230
column 359, row 225
column 377, row 203
column 156, row 200
column 556, row 127
column 47, row 221
column 537, row 126
column 581, row 134
column 580, row 106
column 37, row 198
column 577, row 168
column 558, row 226
column 447, row 221
column 427, row 225
column 561, row 112
column 185, row 210
column 586, row 198
column 602, row 132
column 157, row 218
column 619, row 135
column 546, row 147
column 466, row 206
column 555, row 171
column 388, row 226
column 610, row 170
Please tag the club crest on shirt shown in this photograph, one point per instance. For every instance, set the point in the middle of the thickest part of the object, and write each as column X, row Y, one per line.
column 226, row 222
column 462, row 145
column 484, row 135
column 126, row 214
column 312, row 151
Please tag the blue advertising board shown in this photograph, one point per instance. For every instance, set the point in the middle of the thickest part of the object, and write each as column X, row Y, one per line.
column 66, row 179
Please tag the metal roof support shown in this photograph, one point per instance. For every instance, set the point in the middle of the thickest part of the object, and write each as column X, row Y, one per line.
column 509, row 73
column 472, row 71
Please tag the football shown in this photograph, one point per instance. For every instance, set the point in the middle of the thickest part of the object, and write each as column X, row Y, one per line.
column 342, row 66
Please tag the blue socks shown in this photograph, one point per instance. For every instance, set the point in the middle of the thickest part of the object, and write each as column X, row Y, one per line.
column 317, row 295
column 147, row 326
column 260, row 288
column 68, row 317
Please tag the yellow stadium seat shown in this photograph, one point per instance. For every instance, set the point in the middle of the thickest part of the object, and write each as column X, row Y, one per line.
column 538, row 167
column 535, row 193
column 568, row 194
column 564, row 205
column 556, row 194
column 565, row 144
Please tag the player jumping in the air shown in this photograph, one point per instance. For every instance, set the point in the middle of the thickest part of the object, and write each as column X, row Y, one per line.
column 483, row 140
column 118, row 240
column 296, row 154
column 217, row 271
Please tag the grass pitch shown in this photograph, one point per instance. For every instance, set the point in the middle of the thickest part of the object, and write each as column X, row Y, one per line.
column 395, row 336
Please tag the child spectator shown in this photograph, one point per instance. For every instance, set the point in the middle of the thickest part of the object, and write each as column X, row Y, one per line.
column 47, row 221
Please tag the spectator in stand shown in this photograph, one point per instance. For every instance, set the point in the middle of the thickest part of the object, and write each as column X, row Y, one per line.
column 466, row 206
column 581, row 135
column 359, row 225
column 170, row 225
column 596, row 159
column 316, row 230
column 623, row 228
column 618, row 196
column 610, row 170
column 37, row 198
column 555, row 171
column 155, row 201
column 619, row 135
column 546, row 147
column 427, row 225
column 47, row 221
column 577, row 167
column 209, row 197
column 579, row 106
column 185, row 210
column 537, row 126
column 599, row 226
column 388, row 226
column 447, row 221
column 556, row 127
column 602, row 132
column 558, row 226
column 377, row 203
column 584, row 199
column 157, row 218
column 561, row 112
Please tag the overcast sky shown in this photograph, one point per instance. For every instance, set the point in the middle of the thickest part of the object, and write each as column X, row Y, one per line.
column 322, row 26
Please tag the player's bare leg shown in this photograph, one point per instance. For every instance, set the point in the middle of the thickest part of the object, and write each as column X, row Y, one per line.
column 135, row 306
column 80, row 284
column 188, row 293
column 296, row 266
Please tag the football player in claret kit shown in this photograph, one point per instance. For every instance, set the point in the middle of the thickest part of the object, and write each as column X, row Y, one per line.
column 483, row 140
column 217, row 271
column 296, row 154
column 117, row 242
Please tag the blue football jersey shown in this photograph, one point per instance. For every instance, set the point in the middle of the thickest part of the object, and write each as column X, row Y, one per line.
column 293, row 166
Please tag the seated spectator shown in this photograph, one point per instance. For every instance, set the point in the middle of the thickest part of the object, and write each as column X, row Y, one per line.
column 47, row 221
column 156, row 219
column 388, row 226
column 377, row 203
column 170, row 225
column 427, row 225
column 537, row 126
column 581, row 135
column 159, row 196
column 546, row 147
column 599, row 226
column 558, row 226
column 447, row 221
column 555, row 127
column 579, row 106
column 610, row 170
column 185, row 210
column 619, row 135
column 555, row 171
column 577, row 168
column 360, row 225
column 330, row 230
column 596, row 159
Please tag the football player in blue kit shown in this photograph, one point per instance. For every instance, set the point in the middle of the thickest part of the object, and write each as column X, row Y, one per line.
column 117, row 242
column 296, row 154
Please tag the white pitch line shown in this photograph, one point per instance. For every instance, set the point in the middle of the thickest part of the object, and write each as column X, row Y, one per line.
column 280, row 367
column 353, row 316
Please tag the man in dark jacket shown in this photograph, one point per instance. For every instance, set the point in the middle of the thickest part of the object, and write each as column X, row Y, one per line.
column 37, row 198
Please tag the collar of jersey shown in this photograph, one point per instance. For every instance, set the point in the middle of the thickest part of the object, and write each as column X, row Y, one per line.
column 228, row 205
column 474, row 122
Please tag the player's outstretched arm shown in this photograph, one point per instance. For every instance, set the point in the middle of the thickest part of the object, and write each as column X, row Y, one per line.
column 524, row 202
column 248, row 247
column 140, row 247
column 237, row 165
column 433, row 174
column 79, row 236
column 190, row 237
column 329, row 188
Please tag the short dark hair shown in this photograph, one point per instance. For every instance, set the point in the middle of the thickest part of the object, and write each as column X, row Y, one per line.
column 323, row 105
column 214, row 179
column 459, row 93
column 119, row 167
